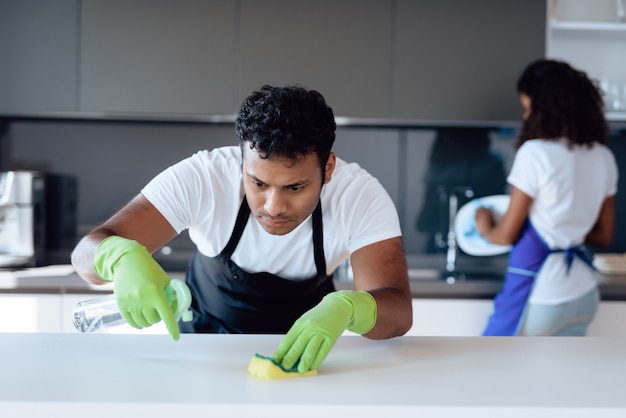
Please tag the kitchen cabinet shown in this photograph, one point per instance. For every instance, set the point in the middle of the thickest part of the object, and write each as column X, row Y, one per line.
column 453, row 60
column 30, row 312
column 401, row 59
column 342, row 49
column 42, row 300
column 39, row 68
column 158, row 56
column 592, row 36
column 369, row 58
column 468, row 317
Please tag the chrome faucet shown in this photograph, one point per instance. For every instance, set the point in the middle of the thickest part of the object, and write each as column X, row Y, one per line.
column 453, row 206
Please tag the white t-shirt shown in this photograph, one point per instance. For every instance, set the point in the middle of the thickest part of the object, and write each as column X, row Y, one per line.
column 203, row 193
column 568, row 187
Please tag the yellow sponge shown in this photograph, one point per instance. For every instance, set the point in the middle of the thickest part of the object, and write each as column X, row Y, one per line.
column 267, row 368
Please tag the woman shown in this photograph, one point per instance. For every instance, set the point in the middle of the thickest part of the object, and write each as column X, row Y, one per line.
column 563, row 185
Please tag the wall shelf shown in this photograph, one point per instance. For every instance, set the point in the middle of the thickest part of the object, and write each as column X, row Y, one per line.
column 591, row 36
column 618, row 27
column 602, row 31
column 616, row 117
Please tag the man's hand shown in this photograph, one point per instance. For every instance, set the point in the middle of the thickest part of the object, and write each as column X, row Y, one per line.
column 139, row 283
column 314, row 334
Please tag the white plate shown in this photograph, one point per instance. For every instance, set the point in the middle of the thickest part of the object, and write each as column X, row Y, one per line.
column 468, row 238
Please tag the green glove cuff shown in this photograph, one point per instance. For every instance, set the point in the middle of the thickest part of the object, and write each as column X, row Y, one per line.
column 110, row 251
column 364, row 310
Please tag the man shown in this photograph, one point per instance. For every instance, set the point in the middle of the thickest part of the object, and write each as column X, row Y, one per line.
column 272, row 219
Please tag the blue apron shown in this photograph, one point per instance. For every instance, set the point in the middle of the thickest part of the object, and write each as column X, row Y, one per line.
column 229, row 300
column 525, row 261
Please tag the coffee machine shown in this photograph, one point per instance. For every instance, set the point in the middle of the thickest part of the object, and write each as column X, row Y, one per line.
column 38, row 213
column 22, row 218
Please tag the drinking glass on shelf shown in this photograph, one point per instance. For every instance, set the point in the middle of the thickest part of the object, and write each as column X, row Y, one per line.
column 614, row 95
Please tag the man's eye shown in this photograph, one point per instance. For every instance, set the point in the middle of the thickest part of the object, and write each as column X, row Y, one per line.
column 258, row 184
column 295, row 188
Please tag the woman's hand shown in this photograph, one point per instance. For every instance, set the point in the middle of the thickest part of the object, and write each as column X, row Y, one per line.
column 484, row 221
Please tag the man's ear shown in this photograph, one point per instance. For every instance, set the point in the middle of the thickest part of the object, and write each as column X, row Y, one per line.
column 330, row 167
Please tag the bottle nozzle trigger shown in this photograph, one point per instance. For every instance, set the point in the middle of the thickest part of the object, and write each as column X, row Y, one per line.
column 179, row 298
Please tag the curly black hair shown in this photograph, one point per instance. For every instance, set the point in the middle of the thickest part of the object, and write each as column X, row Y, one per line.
column 564, row 102
column 286, row 122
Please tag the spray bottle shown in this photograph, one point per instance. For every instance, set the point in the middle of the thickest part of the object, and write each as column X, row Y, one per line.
column 103, row 313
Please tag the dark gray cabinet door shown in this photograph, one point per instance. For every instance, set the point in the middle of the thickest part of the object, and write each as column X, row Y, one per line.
column 158, row 56
column 340, row 48
column 460, row 60
column 38, row 55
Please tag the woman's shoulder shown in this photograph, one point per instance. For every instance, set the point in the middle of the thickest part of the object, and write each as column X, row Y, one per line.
column 545, row 146
column 534, row 147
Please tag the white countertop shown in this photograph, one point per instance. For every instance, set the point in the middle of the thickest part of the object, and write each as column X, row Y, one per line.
column 97, row 375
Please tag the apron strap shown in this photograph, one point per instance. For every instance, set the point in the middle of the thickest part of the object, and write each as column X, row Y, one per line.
column 318, row 240
column 580, row 251
column 240, row 225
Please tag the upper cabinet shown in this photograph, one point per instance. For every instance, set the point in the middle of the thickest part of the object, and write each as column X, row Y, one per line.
column 158, row 56
column 39, row 49
column 198, row 56
column 343, row 49
column 591, row 35
column 460, row 60
column 378, row 59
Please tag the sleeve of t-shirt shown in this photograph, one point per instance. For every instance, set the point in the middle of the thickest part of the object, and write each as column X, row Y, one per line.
column 613, row 174
column 526, row 172
column 377, row 219
column 176, row 192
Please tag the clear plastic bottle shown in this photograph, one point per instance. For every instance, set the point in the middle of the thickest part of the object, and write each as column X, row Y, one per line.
column 103, row 313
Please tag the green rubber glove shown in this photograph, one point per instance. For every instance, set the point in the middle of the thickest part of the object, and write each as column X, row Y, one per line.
column 139, row 283
column 312, row 336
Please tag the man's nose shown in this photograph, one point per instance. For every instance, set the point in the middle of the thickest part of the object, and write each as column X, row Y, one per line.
column 275, row 203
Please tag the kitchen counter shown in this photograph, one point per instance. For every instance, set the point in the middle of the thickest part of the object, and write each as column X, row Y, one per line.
column 612, row 288
column 62, row 280
column 98, row 375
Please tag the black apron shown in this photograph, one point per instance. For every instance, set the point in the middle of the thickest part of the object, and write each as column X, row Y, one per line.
column 228, row 300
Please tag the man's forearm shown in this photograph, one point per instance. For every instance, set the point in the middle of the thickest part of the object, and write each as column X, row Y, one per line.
column 83, row 256
column 395, row 313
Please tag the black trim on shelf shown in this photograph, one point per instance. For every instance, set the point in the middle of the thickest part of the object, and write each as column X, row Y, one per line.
column 214, row 119
column 615, row 122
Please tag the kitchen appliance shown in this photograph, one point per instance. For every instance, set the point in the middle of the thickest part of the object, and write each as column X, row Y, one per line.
column 61, row 216
column 38, row 213
column 22, row 218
